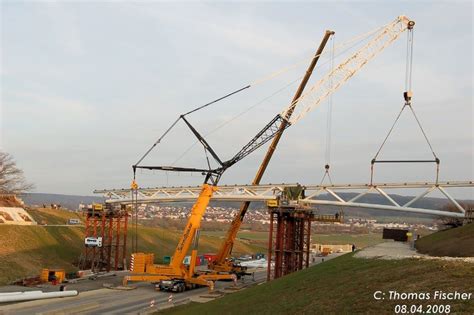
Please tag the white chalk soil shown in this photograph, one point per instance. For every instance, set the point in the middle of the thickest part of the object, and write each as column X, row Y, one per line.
column 388, row 250
column 399, row 250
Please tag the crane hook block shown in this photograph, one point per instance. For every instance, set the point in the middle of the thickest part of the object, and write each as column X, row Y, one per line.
column 134, row 185
column 408, row 95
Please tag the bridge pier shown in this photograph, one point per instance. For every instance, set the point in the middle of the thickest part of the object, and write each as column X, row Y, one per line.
column 111, row 225
column 289, row 241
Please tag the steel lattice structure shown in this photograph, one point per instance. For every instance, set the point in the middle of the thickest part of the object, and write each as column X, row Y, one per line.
column 314, row 195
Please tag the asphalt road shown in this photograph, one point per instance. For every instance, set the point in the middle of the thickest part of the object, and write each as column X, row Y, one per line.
column 137, row 301
column 108, row 301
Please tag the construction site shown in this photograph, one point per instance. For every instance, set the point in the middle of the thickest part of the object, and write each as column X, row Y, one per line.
column 120, row 261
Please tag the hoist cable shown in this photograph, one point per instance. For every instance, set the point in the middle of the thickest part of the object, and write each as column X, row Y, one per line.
column 356, row 39
column 273, row 94
column 236, row 117
column 408, row 95
column 217, row 100
column 406, row 62
column 329, row 123
column 389, row 132
column 329, row 112
column 185, row 114
column 158, row 141
column 326, row 173
column 207, row 159
column 409, row 61
column 410, row 33
column 423, row 131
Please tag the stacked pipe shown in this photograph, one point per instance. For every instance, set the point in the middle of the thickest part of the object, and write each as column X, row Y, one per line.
column 34, row 295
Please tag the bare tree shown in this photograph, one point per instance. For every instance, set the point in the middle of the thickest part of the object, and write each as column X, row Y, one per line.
column 12, row 180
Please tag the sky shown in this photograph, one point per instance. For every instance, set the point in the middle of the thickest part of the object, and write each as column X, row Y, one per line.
column 88, row 86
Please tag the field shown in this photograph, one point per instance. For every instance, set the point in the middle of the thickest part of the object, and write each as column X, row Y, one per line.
column 257, row 237
column 25, row 250
column 245, row 234
column 53, row 216
column 346, row 285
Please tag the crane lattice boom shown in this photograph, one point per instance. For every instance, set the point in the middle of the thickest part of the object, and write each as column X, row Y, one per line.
column 333, row 80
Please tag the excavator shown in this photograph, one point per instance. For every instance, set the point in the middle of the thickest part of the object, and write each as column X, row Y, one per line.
column 178, row 277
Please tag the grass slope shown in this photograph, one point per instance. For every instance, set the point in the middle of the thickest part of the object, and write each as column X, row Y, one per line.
column 53, row 216
column 25, row 250
column 345, row 285
column 457, row 242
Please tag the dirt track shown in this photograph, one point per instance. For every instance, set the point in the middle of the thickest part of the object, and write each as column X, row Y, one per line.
column 399, row 250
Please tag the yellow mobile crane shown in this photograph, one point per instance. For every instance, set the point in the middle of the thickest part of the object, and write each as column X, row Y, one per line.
column 176, row 275
column 222, row 263
column 332, row 81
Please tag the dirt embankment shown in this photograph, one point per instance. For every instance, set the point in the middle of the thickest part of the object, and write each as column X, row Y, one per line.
column 9, row 201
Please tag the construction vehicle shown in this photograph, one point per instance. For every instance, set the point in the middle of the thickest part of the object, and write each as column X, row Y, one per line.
column 143, row 268
column 310, row 100
column 54, row 276
column 223, row 263
column 290, row 198
column 176, row 275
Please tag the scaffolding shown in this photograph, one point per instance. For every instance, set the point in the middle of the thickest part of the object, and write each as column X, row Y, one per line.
column 109, row 224
column 289, row 241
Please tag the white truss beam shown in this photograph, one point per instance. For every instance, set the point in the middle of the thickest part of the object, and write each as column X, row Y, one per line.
column 313, row 195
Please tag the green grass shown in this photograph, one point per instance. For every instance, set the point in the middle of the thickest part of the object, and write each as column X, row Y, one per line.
column 253, row 235
column 345, row 285
column 244, row 234
column 53, row 216
column 163, row 242
column 457, row 242
column 25, row 250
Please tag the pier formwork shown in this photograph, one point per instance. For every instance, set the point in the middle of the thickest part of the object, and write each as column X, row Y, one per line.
column 289, row 241
column 110, row 224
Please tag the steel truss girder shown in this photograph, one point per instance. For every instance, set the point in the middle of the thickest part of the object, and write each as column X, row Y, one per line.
column 313, row 195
